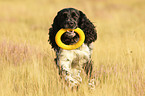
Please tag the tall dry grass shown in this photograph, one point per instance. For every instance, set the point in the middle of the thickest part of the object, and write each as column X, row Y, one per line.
column 26, row 59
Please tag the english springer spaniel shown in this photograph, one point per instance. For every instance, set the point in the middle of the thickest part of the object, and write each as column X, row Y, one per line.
column 72, row 62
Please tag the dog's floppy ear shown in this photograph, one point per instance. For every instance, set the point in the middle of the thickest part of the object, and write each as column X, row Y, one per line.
column 89, row 29
column 52, row 32
column 56, row 23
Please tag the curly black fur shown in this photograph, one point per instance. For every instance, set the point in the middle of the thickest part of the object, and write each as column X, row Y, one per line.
column 80, row 20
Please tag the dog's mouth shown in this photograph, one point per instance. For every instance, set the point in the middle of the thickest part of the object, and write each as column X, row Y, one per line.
column 70, row 37
column 70, row 34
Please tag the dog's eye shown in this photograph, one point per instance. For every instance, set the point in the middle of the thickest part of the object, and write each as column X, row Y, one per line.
column 65, row 15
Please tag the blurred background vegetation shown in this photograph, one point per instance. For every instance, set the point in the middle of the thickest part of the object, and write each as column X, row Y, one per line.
column 26, row 58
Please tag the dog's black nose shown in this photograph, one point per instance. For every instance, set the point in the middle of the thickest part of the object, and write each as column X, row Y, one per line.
column 70, row 23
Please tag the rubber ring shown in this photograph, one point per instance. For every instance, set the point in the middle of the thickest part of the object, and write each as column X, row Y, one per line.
column 70, row 47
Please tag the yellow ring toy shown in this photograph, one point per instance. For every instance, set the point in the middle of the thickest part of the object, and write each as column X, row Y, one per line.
column 70, row 47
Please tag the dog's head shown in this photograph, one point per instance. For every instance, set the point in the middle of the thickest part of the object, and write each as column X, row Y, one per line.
column 68, row 18
column 72, row 18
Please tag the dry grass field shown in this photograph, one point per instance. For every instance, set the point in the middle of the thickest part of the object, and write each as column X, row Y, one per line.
column 26, row 58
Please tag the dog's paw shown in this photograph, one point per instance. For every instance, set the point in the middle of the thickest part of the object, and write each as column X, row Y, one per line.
column 73, row 82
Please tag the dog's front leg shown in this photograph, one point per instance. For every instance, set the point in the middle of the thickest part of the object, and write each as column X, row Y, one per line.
column 64, row 61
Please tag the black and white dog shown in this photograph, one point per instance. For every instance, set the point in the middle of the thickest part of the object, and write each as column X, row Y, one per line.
column 71, row 62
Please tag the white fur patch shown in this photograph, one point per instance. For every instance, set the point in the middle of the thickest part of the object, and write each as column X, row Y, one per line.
column 71, row 62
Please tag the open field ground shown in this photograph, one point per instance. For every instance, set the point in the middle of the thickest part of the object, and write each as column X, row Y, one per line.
column 26, row 58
